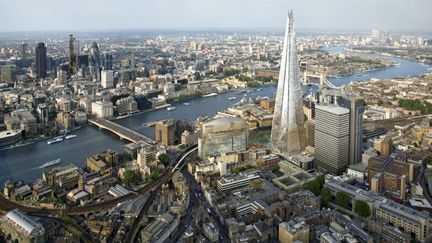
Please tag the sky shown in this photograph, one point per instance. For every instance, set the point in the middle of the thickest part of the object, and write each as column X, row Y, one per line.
column 105, row 15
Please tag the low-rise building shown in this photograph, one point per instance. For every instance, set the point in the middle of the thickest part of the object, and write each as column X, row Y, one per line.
column 22, row 228
column 290, row 232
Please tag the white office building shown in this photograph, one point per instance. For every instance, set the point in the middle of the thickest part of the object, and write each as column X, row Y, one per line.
column 107, row 78
column 102, row 109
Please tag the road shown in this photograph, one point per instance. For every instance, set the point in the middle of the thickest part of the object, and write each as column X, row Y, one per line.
column 197, row 199
column 169, row 172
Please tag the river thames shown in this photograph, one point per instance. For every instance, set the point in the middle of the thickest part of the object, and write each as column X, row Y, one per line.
column 23, row 163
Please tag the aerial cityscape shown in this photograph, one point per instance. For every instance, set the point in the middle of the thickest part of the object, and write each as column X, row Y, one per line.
column 206, row 121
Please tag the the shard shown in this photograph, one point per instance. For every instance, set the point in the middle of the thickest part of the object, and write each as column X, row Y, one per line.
column 288, row 135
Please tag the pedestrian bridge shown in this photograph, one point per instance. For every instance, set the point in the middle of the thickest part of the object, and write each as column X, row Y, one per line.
column 121, row 131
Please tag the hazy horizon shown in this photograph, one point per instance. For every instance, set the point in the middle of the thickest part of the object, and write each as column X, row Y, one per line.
column 175, row 15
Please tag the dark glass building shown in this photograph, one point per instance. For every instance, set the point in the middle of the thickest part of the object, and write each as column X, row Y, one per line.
column 41, row 60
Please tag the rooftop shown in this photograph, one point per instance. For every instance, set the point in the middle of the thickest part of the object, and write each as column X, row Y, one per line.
column 223, row 120
column 334, row 109
column 25, row 223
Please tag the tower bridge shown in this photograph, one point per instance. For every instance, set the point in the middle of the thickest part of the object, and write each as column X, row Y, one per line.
column 322, row 77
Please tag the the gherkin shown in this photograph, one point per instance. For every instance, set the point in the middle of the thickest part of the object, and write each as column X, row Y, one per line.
column 288, row 135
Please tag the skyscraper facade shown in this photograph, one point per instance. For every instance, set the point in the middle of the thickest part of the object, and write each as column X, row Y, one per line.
column 288, row 135
column 332, row 137
column 223, row 135
column 107, row 61
column 23, row 51
column 356, row 108
column 165, row 132
column 41, row 60
column 95, row 61
column 72, row 54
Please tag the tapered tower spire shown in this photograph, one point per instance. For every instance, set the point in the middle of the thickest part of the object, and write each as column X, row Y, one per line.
column 288, row 134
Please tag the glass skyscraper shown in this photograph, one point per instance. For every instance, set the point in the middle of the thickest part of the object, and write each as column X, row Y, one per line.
column 288, row 135
column 222, row 136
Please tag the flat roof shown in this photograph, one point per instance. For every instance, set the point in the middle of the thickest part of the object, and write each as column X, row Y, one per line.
column 334, row 109
column 223, row 120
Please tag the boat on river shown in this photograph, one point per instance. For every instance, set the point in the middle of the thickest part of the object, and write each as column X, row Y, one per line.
column 51, row 163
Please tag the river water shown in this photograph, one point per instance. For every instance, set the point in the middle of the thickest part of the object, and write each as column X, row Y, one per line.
column 23, row 163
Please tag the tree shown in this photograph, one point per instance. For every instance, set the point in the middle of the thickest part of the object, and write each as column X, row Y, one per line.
column 164, row 159
column 154, row 175
column 342, row 199
column 275, row 168
column 380, row 102
column 427, row 160
column 125, row 157
column 129, row 178
column 238, row 170
column 325, row 197
column 320, row 180
column 362, row 209
column 197, row 76
column 314, row 187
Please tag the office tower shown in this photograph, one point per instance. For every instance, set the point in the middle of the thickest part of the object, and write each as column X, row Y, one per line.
column 331, row 138
column 95, row 60
column 356, row 108
column 107, row 61
column 288, row 130
column 41, row 60
column 43, row 113
column 164, row 132
column 221, row 136
column 23, row 51
column 107, row 79
column 61, row 77
column 103, row 109
column 73, row 49
column 94, row 55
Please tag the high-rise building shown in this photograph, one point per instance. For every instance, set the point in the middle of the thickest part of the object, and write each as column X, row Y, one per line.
column 103, row 109
column 72, row 55
column 107, row 78
column 23, row 51
column 164, row 132
column 95, row 61
column 288, row 122
column 107, row 61
column 41, row 60
column 222, row 135
column 332, row 137
column 357, row 109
